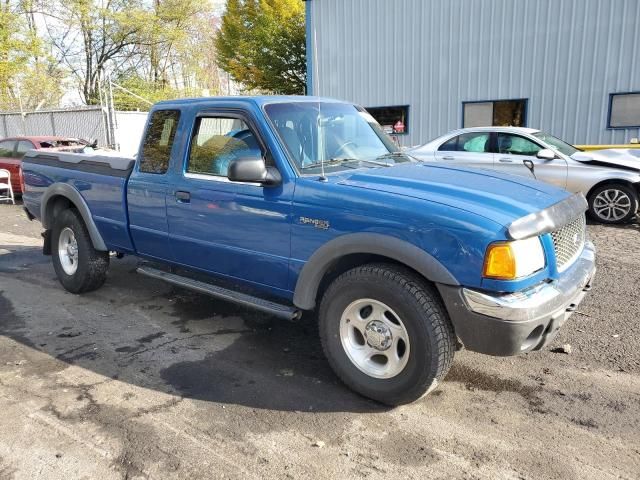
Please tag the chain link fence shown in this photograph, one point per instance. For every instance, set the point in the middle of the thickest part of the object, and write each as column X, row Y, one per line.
column 120, row 130
column 78, row 122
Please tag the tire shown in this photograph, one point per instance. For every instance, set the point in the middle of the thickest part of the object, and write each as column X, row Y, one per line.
column 411, row 308
column 624, row 197
column 89, row 270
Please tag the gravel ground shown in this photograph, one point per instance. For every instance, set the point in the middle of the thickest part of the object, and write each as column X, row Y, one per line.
column 142, row 380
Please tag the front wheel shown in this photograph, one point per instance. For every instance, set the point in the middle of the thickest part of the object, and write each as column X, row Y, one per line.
column 80, row 267
column 613, row 203
column 386, row 333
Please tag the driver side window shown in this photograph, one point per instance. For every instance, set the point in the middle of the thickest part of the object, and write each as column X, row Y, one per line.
column 516, row 145
column 219, row 140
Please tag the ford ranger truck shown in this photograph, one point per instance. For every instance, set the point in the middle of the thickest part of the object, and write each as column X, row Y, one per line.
column 296, row 204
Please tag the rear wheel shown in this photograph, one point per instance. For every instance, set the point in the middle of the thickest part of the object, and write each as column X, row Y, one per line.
column 613, row 203
column 80, row 267
column 386, row 333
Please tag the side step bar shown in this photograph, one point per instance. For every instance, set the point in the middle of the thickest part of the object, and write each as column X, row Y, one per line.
column 282, row 311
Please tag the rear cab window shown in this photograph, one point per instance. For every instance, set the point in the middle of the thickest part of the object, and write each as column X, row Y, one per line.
column 156, row 149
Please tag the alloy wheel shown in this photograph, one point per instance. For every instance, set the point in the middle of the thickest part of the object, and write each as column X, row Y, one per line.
column 68, row 251
column 612, row 205
column 374, row 338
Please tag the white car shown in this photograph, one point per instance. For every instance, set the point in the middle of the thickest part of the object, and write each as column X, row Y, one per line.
column 610, row 179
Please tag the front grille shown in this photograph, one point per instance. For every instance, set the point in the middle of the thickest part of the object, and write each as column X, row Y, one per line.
column 568, row 242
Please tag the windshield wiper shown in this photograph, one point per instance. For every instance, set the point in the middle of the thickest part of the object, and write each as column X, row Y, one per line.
column 396, row 155
column 333, row 161
column 345, row 162
column 374, row 162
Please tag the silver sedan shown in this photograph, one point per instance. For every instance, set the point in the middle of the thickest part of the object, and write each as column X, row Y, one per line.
column 610, row 179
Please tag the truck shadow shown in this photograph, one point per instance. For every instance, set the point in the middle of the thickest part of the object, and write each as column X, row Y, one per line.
column 194, row 346
column 272, row 365
column 16, row 258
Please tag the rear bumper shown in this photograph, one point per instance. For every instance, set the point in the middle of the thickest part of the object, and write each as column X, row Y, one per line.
column 509, row 324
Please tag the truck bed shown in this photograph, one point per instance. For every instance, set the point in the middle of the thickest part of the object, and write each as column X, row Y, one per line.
column 100, row 180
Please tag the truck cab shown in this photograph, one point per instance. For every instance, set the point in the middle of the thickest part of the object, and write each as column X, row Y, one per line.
column 298, row 204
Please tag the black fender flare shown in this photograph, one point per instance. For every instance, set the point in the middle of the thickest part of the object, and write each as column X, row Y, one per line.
column 313, row 272
column 67, row 191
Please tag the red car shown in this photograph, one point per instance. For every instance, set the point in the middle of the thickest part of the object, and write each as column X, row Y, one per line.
column 13, row 149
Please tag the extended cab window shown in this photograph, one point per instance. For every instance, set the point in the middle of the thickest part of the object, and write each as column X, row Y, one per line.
column 156, row 150
column 468, row 142
column 516, row 145
column 217, row 141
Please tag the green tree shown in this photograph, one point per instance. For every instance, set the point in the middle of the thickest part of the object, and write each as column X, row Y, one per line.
column 155, row 47
column 133, row 92
column 181, row 45
column 93, row 37
column 261, row 44
column 28, row 76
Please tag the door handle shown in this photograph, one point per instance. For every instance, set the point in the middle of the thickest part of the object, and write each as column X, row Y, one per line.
column 505, row 160
column 448, row 158
column 183, row 197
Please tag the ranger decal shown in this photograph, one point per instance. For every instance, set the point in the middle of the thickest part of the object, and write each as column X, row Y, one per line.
column 321, row 224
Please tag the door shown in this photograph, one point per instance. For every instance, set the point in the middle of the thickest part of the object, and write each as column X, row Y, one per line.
column 147, row 187
column 239, row 230
column 512, row 152
column 6, row 150
column 8, row 161
column 470, row 149
column 22, row 147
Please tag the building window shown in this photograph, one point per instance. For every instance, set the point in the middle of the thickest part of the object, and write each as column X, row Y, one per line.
column 624, row 110
column 394, row 120
column 495, row 113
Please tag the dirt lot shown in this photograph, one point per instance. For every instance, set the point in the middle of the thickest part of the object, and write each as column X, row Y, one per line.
column 142, row 380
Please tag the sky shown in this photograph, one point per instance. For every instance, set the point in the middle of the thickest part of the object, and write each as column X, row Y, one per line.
column 218, row 5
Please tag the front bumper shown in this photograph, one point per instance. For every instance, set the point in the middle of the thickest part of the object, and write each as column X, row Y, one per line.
column 513, row 323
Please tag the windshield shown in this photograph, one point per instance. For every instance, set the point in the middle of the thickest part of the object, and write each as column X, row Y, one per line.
column 339, row 135
column 560, row 145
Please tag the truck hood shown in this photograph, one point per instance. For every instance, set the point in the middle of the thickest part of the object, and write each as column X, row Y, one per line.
column 499, row 197
column 626, row 158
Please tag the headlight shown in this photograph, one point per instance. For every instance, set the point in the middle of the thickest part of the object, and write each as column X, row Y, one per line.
column 511, row 260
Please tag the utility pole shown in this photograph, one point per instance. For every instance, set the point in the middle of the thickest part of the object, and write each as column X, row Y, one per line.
column 114, row 121
column 22, row 114
column 106, row 121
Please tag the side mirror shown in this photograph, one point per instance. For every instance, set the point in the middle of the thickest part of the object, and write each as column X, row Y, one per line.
column 253, row 170
column 546, row 154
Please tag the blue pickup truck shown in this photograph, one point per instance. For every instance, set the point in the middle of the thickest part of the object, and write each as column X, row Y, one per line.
column 294, row 204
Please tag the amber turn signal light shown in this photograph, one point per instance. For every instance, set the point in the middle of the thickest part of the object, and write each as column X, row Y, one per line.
column 500, row 262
